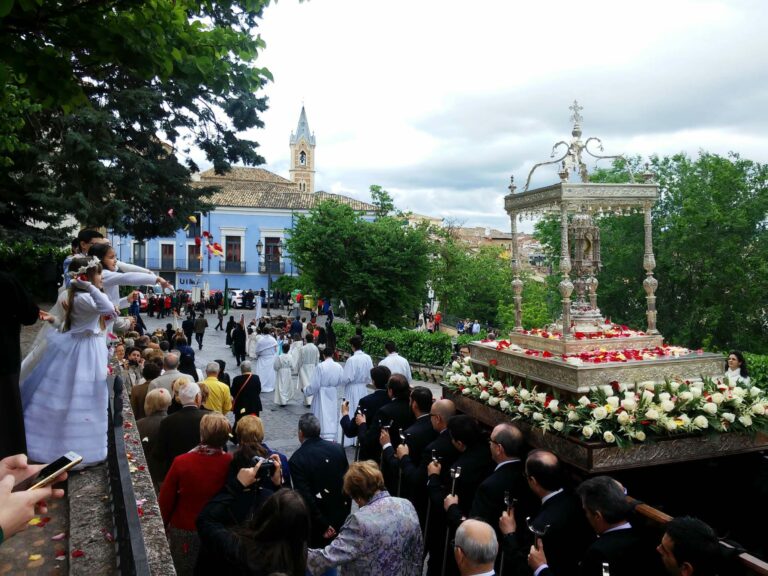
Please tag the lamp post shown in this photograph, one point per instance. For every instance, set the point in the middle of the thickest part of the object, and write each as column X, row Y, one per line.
column 268, row 260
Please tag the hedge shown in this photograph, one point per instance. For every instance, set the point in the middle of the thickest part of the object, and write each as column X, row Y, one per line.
column 758, row 368
column 418, row 347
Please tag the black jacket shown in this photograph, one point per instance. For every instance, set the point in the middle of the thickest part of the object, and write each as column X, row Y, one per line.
column 318, row 468
column 248, row 400
column 417, row 437
column 178, row 434
column 369, row 405
column 396, row 414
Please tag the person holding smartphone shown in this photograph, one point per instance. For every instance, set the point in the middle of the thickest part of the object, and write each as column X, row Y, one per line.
column 18, row 508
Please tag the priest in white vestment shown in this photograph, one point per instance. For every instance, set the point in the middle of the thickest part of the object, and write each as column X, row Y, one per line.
column 308, row 358
column 323, row 389
column 357, row 375
column 396, row 363
column 266, row 349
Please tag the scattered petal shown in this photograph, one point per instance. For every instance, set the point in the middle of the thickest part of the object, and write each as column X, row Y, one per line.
column 34, row 557
column 77, row 553
column 59, row 536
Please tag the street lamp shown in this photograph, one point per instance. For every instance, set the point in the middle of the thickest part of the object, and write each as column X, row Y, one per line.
column 269, row 258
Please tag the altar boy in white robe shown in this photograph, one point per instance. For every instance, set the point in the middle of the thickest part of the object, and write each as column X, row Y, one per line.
column 323, row 389
column 266, row 348
column 309, row 357
column 284, row 389
column 357, row 375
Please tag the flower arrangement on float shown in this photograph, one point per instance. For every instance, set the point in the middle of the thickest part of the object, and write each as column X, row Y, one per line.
column 621, row 413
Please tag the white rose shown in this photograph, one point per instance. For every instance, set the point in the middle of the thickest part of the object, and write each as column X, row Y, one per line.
column 481, row 375
column 521, row 409
column 630, row 395
column 648, row 395
column 558, row 426
column 648, row 385
column 511, row 391
column 467, row 371
column 671, row 425
column 573, row 416
column 652, row 414
column 553, row 404
column 667, row 405
column 696, row 392
column 524, row 394
column 599, row 413
column 758, row 409
column 609, row 437
column 675, row 386
column 466, row 391
column 498, row 386
column 686, row 396
column 574, row 361
column 587, row 431
column 729, row 416
column 754, row 391
column 613, row 402
column 461, row 380
column 640, row 436
column 718, row 398
column 623, row 418
column 664, row 396
column 467, row 360
column 738, row 392
column 541, row 397
column 746, row 420
column 710, row 408
column 455, row 365
column 504, row 405
column 484, row 395
column 607, row 389
column 685, row 419
column 629, row 404
column 473, row 379
column 538, row 417
column 493, row 401
column 737, row 401
column 584, row 401
column 701, row 422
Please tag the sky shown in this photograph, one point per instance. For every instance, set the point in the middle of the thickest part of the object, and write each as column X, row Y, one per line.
column 440, row 101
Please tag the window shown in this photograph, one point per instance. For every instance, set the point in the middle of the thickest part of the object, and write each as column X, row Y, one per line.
column 303, row 158
column 140, row 254
column 193, row 257
column 166, row 256
column 272, row 254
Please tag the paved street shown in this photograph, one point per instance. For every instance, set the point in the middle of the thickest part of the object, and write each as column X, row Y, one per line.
column 280, row 424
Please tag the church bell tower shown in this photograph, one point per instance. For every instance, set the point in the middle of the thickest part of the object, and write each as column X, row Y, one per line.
column 303, row 155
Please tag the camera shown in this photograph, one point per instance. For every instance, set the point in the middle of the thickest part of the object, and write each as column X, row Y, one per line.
column 267, row 466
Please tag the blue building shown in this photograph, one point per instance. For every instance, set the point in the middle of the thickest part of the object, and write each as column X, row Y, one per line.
column 255, row 210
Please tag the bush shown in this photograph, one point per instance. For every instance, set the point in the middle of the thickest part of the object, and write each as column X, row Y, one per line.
column 758, row 368
column 417, row 347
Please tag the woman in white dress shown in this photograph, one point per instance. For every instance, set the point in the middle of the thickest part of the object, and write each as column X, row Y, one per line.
column 736, row 369
column 65, row 396
column 252, row 340
column 284, row 389
column 266, row 349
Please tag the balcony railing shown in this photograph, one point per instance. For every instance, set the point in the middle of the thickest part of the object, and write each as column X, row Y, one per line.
column 272, row 267
column 168, row 264
column 237, row 267
column 194, row 265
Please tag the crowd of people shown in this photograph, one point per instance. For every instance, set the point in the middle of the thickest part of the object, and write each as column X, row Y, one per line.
column 432, row 490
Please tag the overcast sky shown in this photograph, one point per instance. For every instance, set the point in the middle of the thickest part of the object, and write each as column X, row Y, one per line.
column 440, row 101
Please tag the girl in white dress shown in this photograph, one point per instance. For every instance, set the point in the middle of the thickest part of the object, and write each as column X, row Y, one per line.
column 284, row 389
column 736, row 369
column 65, row 396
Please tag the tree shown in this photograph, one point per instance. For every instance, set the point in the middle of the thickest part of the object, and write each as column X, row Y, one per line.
column 382, row 200
column 711, row 250
column 98, row 95
column 378, row 269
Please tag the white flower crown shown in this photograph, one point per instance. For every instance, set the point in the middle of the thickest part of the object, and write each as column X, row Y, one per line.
column 92, row 263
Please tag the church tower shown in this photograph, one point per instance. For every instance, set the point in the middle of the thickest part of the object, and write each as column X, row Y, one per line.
column 303, row 155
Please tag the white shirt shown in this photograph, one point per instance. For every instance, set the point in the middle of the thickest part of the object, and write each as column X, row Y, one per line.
column 328, row 374
column 397, row 365
column 357, row 369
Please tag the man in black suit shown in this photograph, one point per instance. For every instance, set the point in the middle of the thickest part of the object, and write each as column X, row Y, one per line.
column 180, row 432
column 567, row 535
column 368, row 407
column 417, row 436
column 618, row 544
column 395, row 414
column 475, row 463
column 245, row 391
column 317, row 472
column 689, row 547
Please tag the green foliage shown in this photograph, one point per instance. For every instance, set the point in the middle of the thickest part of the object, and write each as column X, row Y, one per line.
column 291, row 283
column 758, row 369
column 418, row 347
column 379, row 269
column 38, row 267
column 711, row 249
column 536, row 307
column 91, row 88
column 382, row 200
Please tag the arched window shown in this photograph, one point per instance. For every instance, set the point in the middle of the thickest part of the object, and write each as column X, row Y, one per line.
column 303, row 158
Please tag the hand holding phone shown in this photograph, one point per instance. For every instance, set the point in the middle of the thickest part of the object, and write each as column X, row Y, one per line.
column 18, row 508
column 53, row 472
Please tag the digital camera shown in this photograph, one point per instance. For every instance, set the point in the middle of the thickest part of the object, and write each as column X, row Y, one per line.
column 267, row 466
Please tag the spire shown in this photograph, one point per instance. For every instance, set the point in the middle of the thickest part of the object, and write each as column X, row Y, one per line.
column 302, row 129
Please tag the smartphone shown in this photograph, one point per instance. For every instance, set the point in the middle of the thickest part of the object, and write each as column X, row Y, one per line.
column 52, row 471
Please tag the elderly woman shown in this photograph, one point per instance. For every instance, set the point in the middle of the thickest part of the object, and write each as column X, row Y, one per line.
column 194, row 478
column 382, row 538
column 736, row 369
column 156, row 408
